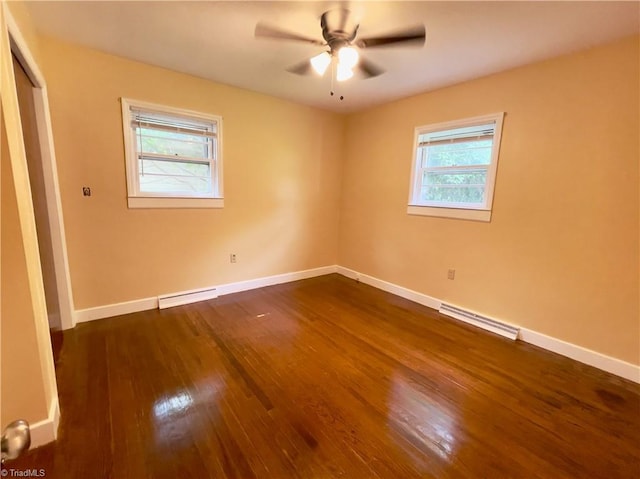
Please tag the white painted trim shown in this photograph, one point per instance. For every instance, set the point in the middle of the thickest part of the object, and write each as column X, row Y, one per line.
column 406, row 293
column 116, row 309
column 272, row 280
column 578, row 353
column 171, row 110
column 455, row 213
column 145, row 304
column 54, row 208
column 137, row 199
column 46, row 431
column 50, row 171
column 54, row 320
column 155, row 202
column 186, row 297
column 587, row 356
column 24, row 55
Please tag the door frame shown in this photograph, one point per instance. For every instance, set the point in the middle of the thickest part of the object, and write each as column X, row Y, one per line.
column 24, row 55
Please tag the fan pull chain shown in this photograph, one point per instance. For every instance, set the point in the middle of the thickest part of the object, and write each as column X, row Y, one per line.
column 332, row 79
column 332, row 74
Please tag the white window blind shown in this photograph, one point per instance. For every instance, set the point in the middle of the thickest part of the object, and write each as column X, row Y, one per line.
column 476, row 132
column 171, row 153
column 174, row 124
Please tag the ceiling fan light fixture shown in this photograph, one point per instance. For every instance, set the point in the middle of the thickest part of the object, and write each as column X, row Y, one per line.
column 343, row 72
column 348, row 56
column 321, row 62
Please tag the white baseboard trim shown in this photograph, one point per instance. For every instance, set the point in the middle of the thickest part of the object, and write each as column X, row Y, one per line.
column 46, row 431
column 116, row 309
column 144, row 304
column 54, row 320
column 272, row 280
column 406, row 293
column 578, row 353
column 587, row 356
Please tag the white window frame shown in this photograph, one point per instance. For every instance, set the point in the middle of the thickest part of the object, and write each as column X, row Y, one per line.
column 138, row 199
column 466, row 211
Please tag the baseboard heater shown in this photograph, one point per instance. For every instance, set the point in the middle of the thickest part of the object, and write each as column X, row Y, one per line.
column 187, row 297
column 480, row 321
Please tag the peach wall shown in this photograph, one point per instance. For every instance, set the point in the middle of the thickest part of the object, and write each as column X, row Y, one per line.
column 560, row 255
column 282, row 165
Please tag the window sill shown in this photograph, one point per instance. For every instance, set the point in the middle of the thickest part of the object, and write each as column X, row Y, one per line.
column 164, row 202
column 455, row 213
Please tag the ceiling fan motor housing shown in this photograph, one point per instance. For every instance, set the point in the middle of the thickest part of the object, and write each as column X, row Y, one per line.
column 337, row 29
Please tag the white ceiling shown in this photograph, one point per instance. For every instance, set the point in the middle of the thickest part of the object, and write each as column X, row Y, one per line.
column 215, row 40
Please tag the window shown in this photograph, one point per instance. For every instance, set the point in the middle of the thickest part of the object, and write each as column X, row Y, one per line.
column 454, row 168
column 173, row 157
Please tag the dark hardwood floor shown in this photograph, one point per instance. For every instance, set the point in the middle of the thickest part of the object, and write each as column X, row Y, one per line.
column 328, row 378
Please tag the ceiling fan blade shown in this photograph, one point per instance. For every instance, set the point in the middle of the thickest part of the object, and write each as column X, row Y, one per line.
column 414, row 35
column 267, row 31
column 302, row 68
column 368, row 69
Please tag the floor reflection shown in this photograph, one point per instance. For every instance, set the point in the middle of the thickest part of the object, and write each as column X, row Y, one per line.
column 184, row 416
column 419, row 417
column 169, row 406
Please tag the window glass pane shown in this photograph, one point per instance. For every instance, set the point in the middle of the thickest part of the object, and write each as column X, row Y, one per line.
column 458, row 154
column 174, row 177
column 171, row 143
column 453, row 194
column 468, row 177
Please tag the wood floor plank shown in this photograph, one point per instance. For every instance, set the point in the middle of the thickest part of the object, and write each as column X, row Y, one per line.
column 328, row 378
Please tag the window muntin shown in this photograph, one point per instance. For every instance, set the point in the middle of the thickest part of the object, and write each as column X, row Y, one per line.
column 455, row 164
column 171, row 153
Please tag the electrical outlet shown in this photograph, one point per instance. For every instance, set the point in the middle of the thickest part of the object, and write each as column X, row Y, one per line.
column 232, row 257
column 451, row 274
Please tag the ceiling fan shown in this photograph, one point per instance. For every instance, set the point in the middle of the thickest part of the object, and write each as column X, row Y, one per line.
column 340, row 35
